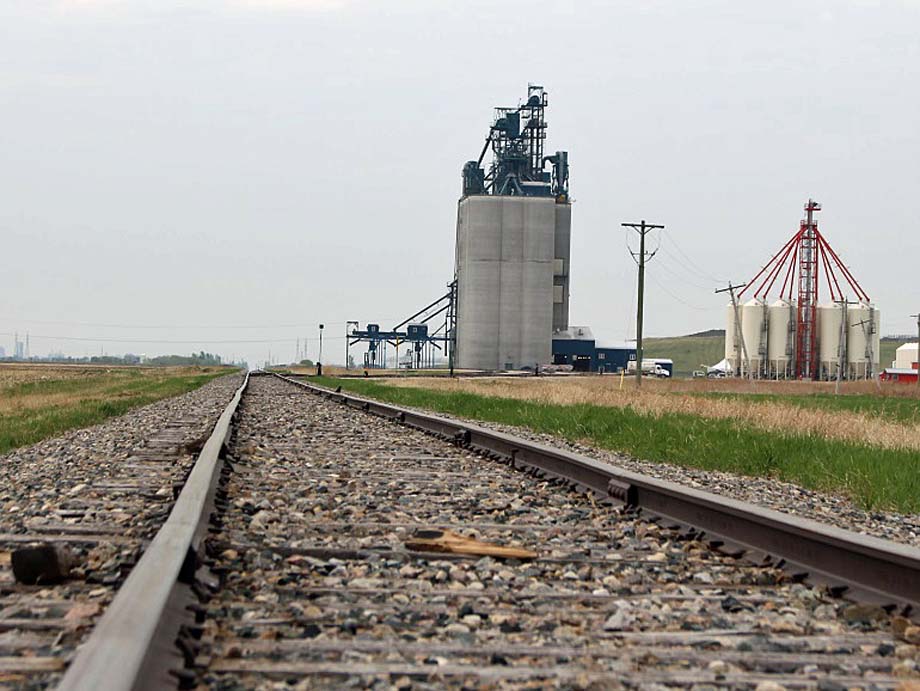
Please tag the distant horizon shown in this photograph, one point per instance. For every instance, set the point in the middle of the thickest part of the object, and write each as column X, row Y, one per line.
column 227, row 175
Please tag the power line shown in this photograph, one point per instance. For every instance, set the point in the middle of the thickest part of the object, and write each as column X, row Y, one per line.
column 701, row 272
column 681, row 278
column 304, row 325
column 680, row 300
column 157, row 341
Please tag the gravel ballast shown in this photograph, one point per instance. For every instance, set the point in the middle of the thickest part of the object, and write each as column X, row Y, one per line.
column 322, row 587
column 100, row 494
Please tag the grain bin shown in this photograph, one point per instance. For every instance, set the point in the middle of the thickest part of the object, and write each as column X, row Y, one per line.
column 754, row 332
column 830, row 319
column 859, row 338
column 780, row 338
column 803, row 335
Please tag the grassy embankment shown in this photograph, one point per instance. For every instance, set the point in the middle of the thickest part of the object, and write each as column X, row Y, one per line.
column 41, row 401
column 695, row 432
column 891, row 408
column 689, row 352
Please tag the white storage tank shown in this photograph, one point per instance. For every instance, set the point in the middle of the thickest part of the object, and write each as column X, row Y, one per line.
column 830, row 319
column 859, row 338
column 780, row 338
column 754, row 332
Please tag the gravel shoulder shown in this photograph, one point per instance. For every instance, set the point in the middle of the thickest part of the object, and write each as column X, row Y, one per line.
column 767, row 492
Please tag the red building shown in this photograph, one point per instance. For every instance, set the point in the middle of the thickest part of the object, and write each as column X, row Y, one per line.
column 899, row 374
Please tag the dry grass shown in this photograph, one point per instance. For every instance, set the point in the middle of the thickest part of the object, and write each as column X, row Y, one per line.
column 784, row 388
column 28, row 386
column 670, row 397
column 13, row 373
column 39, row 401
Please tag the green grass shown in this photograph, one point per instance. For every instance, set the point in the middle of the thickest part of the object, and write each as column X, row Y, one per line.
column 887, row 351
column 874, row 478
column 688, row 352
column 891, row 408
column 84, row 402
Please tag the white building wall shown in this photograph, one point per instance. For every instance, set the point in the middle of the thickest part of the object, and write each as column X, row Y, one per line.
column 905, row 356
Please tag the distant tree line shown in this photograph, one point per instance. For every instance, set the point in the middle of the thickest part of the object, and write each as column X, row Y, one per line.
column 202, row 359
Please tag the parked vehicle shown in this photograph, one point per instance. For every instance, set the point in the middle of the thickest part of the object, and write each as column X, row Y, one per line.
column 652, row 368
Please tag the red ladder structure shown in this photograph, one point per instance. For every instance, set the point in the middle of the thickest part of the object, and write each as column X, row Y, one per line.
column 802, row 260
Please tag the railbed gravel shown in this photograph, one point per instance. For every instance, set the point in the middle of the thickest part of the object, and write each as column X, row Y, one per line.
column 770, row 493
column 318, row 588
column 102, row 491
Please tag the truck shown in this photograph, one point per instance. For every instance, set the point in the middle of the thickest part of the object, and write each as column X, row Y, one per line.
column 653, row 367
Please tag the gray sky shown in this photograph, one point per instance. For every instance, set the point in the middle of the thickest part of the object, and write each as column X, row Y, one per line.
column 241, row 170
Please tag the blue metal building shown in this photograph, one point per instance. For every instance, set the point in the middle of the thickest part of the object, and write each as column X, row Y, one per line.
column 578, row 348
column 613, row 358
column 574, row 346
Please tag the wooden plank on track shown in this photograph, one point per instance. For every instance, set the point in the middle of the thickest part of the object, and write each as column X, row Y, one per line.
column 12, row 665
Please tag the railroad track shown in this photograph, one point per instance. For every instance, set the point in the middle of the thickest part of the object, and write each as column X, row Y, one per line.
column 314, row 567
column 96, row 497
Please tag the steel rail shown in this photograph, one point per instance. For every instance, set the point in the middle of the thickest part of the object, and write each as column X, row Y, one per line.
column 133, row 645
column 857, row 566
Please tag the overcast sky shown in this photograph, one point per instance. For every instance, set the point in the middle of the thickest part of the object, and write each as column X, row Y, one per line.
column 218, row 174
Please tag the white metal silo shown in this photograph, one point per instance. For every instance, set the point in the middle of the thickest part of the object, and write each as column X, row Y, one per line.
column 780, row 338
column 859, row 338
column 830, row 320
column 754, row 332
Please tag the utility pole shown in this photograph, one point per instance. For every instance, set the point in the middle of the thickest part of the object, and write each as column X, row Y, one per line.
column 347, row 339
column 319, row 362
column 739, row 333
column 842, row 346
column 918, row 348
column 643, row 229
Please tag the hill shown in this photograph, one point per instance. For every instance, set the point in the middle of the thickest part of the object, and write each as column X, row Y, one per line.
column 688, row 352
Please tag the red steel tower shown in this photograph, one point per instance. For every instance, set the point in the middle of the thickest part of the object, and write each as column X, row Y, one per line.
column 805, row 256
column 806, row 355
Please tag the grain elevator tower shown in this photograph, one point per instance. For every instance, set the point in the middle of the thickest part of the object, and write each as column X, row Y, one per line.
column 512, row 249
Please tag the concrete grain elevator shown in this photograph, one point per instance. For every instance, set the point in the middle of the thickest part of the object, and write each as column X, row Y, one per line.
column 513, row 245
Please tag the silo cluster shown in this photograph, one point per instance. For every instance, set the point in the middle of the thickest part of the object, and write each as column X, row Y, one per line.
column 768, row 331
